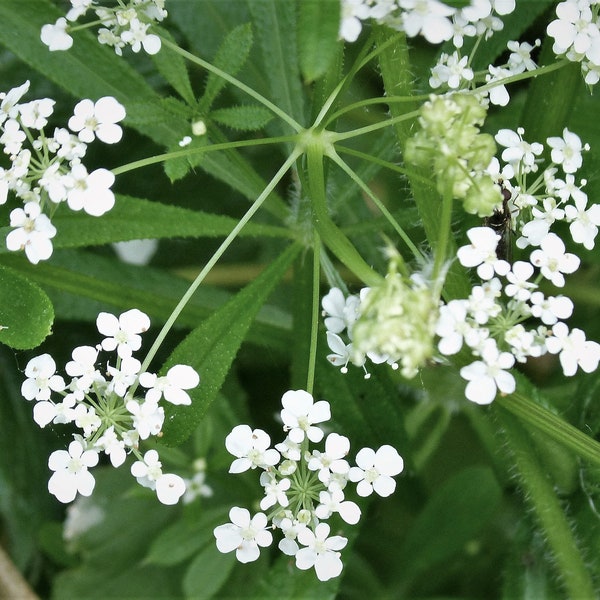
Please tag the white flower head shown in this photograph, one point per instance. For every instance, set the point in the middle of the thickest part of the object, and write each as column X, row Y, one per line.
column 251, row 447
column 333, row 502
column 123, row 332
column 171, row 385
column 481, row 253
column 33, row 232
column 244, row 534
column 333, row 459
column 99, row 119
column 55, row 36
column 573, row 349
column 300, row 413
column 375, row 470
column 169, row 488
column 321, row 551
column 41, row 379
column 566, row 150
column 71, row 475
column 91, row 191
column 553, row 261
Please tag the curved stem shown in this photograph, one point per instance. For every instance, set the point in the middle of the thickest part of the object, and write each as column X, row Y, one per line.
column 386, row 213
column 236, row 82
column 144, row 162
column 539, row 491
column 213, row 260
column 314, row 324
column 336, row 137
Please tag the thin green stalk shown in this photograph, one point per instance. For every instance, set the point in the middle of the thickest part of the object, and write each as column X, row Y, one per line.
column 441, row 247
column 237, row 83
column 151, row 160
column 330, row 233
column 336, row 137
column 386, row 213
column 540, row 493
column 551, row 425
column 314, row 324
column 213, row 260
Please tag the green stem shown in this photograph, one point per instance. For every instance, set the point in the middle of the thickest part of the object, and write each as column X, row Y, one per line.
column 386, row 213
column 332, row 236
column 336, row 137
column 314, row 324
column 151, row 160
column 236, row 82
column 551, row 425
column 441, row 246
column 213, row 260
column 539, row 491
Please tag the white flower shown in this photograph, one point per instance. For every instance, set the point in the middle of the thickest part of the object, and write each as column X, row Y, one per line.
column 520, row 58
column 148, row 417
column 488, row 375
column 333, row 502
column 147, row 471
column 584, row 223
column 573, row 350
column 169, row 488
column 341, row 352
column 12, row 137
column 452, row 326
column 98, row 120
column 573, row 28
column 340, row 313
column 35, row 114
column 321, row 551
column 85, row 418
column 300, row 413
column 353, row 12
column 138, row 37
column 428, row 18
column 274, row 490
column 517, row 150
column 45, row 411
column 251, row 447
column 550, row 309
column 56, row 36
column 123, row 333
column 83, row 366
column 71, row 473
column 33, row 232
column 9, row 107
column 537, row 229
column 482, row 302
column 375, row 469
column 498, row 94
column 519, row 286
column 124, row 376
column 91, row 191
column 553, row 261
column 41, row 380
column 566, row 151
column 112, row 446
column 243, row 534
column 332, row 460
column 481, row 253
column 172, row 385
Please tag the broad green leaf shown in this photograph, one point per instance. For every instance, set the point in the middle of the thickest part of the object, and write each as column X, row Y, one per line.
column 85, row 284
column 244, row 118
column 172, row 67
column 135, row 218
column 275, row 27
column 231, row 56
column 207, row 573
column 454, row 515
column 318, row 26
column 212, row 346
column 183, row 538
column 26, row 313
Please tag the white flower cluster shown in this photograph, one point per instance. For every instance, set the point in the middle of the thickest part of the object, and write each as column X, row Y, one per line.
column 124, row 25
column 46, row 170
column 302, row 488
column 435, row 21
column 576, row 33
column 506, row 318
column 103, row 406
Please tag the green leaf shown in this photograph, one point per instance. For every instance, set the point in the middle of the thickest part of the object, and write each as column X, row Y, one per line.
column 172, row 67
column 453, row 516
column 26, row 313
column 135, row 218
column 212, row 346
column 275, row 25
column 249, row 117
column 207, row 573
column 318, row 26
column 183, row 538
column 230, row 57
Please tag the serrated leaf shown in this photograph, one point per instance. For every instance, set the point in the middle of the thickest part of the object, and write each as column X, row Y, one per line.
column 249, row 117
column 318, row 26
column 212, row 347
column 207, row 573
column 275, row 24
column 26, row 313
column 172, row 66
column 230, row 57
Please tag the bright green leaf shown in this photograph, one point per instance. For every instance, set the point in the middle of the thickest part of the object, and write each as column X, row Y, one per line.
column 318, row 26
column 26, row 313
column 212, row 346
column 245, row 118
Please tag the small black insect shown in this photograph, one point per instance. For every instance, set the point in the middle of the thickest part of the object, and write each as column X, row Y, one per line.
column 501, row 223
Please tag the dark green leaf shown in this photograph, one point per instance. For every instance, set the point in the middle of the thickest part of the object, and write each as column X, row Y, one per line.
column 211, row 347
column 244, row 118
column 26, row 313
column 318, row 26
column 207, row 573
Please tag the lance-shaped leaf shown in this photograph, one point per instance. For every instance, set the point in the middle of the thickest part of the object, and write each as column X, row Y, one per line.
column 26, row 313
column 212, row 347
column 247, row 117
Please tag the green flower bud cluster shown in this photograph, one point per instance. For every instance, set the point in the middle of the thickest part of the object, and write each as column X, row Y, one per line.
column 450, row 143
column 397, row 322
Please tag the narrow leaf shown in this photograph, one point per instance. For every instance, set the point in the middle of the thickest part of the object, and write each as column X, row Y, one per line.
column 26, row 313
column 318, row 26
column 212, row 347
column 207, row 573
column 245, row 118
